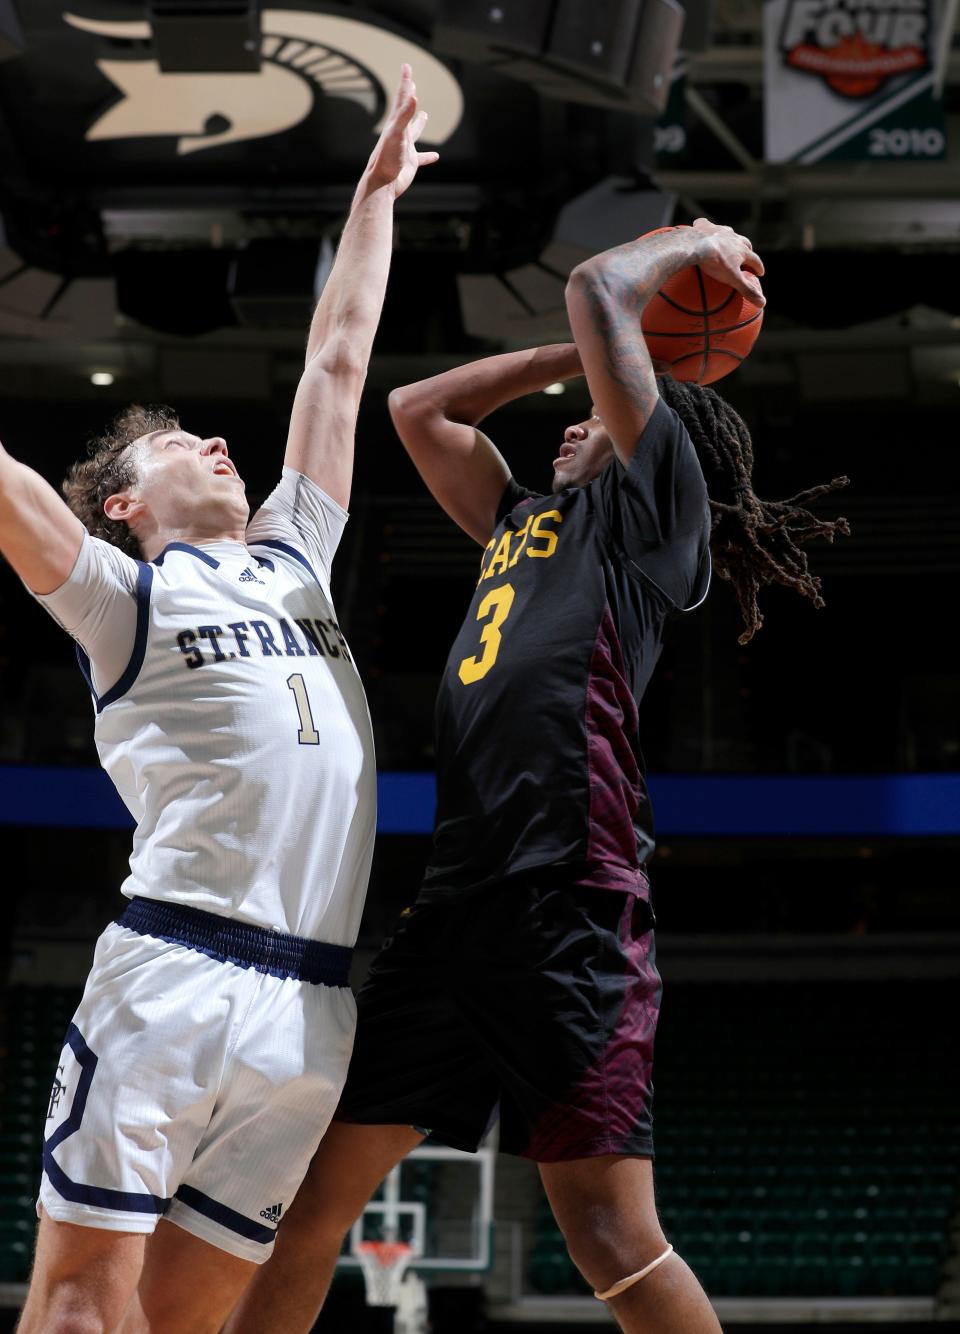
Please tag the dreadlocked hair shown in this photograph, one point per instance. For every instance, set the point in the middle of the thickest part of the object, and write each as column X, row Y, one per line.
column 753, row 542
column 109, row 468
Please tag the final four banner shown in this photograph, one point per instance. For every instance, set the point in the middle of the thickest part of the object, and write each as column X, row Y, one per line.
column 850, row 79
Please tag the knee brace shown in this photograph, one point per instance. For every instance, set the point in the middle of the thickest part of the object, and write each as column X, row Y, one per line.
column 622, row 1284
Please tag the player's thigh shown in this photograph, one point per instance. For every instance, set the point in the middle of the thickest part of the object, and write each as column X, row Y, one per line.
column 347, row 1168
column 561, row 985
column 187, row 1286
column 277, row 1095
column 80, row 1274
column 416, row 1060
column 137, row 1080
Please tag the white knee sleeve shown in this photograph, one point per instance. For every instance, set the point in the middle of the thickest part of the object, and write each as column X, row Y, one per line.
column 628, row 1282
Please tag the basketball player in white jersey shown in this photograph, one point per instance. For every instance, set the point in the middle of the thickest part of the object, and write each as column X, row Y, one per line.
column 213, row 1037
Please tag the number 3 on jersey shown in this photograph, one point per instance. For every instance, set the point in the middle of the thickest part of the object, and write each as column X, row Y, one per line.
column 497, row 606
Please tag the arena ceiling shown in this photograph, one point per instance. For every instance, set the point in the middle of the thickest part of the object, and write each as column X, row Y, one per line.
column 144, row 200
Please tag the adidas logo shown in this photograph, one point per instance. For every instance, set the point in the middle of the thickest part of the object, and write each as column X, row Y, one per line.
column 248, row 577
column 273, row 1212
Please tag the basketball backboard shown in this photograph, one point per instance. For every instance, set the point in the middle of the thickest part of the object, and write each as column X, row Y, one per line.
column 440, row 1202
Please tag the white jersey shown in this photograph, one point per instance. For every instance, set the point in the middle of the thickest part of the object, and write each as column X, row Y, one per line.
column 232, row 720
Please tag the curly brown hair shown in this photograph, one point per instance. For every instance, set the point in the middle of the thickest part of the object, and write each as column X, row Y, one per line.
column 754, row 542
column 109, row 468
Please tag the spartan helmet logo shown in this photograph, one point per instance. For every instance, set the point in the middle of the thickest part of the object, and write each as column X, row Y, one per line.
column 300, row 52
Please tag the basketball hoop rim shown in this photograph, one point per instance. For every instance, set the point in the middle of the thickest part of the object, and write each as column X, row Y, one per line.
column 384, row 1252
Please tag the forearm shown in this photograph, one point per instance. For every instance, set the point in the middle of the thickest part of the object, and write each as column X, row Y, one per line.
column 606, row 296
column 348, row 312
column 469, row 393
column 630, row 275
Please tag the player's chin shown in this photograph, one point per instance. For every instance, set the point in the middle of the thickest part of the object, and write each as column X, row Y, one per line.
column 564, row 478
column 561, row 479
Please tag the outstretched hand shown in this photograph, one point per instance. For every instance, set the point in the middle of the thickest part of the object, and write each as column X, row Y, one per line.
column 396, row 159
column 733, row 260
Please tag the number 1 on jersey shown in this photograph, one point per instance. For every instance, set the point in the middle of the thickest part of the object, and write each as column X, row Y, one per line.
column 498, row 601
column 308, row 734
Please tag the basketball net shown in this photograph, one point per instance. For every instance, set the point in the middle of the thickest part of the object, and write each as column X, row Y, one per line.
column 384, row 1264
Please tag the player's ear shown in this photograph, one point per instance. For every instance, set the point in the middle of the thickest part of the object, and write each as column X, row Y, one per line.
column 122, row 508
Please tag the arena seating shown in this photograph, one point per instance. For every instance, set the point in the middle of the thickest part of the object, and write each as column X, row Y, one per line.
column 34, row 1021
column 808, row 1140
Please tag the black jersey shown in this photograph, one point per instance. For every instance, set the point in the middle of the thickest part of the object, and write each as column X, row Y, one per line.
column 538, row 752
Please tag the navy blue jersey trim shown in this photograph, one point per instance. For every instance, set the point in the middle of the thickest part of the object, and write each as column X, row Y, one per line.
column 132, row 669
column 223, row 1214
column 191, row 551
column 144, row 585
column 84, row 664
column 292, row 552
column 262, row 560
column 100, row 1197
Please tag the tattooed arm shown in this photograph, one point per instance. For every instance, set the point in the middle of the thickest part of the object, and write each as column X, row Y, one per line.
column 605, row 296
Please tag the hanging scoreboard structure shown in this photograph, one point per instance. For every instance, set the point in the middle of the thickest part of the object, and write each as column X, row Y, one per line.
column 617, row 54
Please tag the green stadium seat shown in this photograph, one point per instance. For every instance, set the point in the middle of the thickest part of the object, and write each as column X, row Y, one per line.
column 15, row 1261
column 922, row 1275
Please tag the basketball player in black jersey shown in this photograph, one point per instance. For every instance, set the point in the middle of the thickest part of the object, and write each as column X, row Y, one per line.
column 524, row 978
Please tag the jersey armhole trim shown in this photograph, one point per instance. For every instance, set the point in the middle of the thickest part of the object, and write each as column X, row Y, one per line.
column 132, row 670
column 640, row 574
column 702, row 599
column 616, row 548
column 293, row 553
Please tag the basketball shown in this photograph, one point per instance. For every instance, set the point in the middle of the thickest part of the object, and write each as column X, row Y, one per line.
column 699, row 327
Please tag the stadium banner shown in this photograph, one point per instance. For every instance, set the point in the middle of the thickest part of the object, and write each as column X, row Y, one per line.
column 850, row 80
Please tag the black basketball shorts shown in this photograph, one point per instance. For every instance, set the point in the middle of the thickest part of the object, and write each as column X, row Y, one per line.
column 539, row 1004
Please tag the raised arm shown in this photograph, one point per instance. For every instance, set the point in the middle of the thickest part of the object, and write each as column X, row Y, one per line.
column 39, row 535
column 605, row 296
column 324, row 418
column 437, row 421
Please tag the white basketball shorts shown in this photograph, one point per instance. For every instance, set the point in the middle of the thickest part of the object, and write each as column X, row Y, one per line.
column 197, row 1078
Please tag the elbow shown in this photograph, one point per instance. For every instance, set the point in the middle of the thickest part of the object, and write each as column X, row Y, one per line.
column 576, row 284
column 586, row 276
column 590, row 289
column 344, row 357
column 404, row 403
column 579, row 275
column 396, row 402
